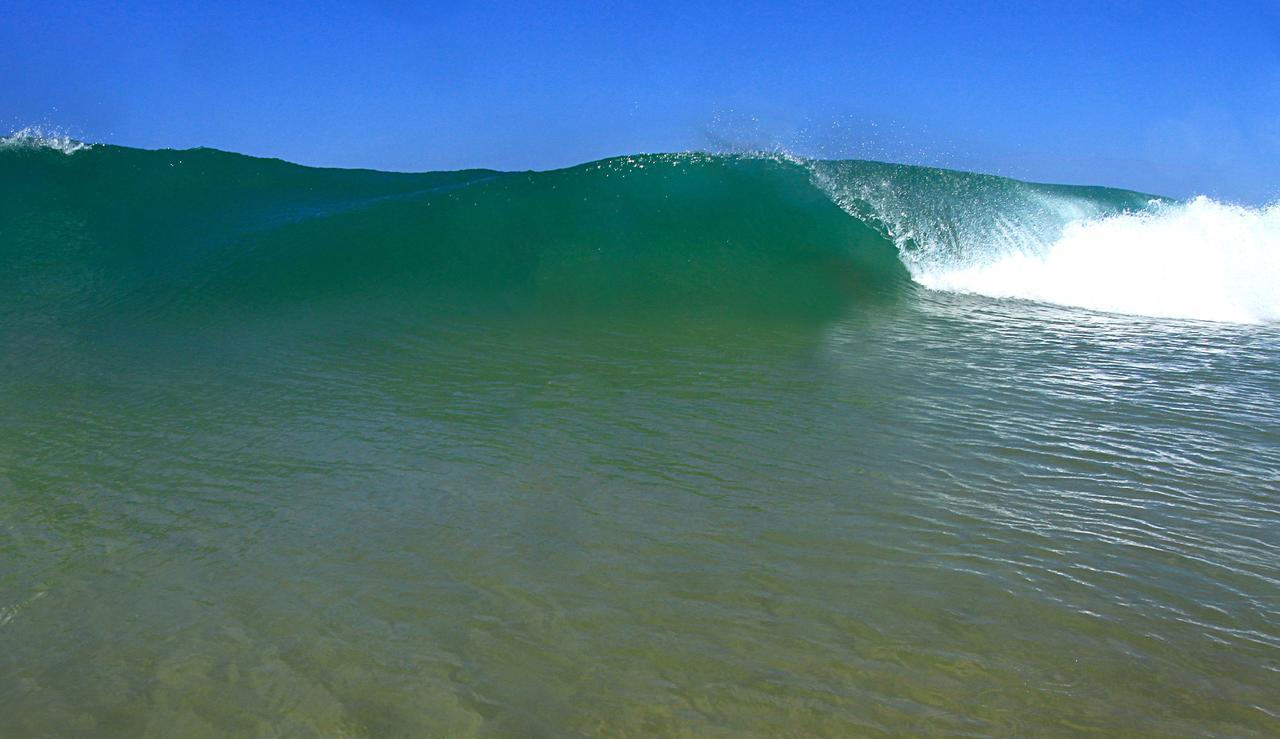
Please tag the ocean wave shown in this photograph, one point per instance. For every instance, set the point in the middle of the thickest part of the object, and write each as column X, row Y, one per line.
column 735, row 233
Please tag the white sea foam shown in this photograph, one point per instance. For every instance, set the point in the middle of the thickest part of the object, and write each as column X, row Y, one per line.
column 958, row 232
column 39, row 137
column 1202, row 260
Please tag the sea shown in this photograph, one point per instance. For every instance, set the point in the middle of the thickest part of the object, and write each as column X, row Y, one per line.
column 670, row 444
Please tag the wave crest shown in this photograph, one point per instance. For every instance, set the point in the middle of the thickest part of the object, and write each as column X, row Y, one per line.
column 38, row 137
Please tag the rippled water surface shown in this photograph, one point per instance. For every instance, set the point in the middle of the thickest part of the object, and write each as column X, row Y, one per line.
column 941, row 514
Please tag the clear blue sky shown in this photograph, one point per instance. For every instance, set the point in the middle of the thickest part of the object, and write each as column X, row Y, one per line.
column 1176, row 97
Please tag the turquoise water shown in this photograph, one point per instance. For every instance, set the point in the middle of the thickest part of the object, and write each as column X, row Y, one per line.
column 660, row 445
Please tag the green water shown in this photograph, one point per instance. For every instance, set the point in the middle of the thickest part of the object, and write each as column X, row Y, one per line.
column 670, row 445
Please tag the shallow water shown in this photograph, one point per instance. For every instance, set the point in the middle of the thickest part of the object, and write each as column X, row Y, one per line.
column 937, row 514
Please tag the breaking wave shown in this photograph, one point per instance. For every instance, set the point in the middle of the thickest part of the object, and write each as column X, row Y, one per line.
column 89, row 229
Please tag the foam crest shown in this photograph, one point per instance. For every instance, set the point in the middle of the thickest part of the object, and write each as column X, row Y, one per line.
column 38, row 137
column 1201, row 260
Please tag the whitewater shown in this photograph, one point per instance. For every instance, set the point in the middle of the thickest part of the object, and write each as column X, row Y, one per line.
column 1202, row 260
column 1199, row 259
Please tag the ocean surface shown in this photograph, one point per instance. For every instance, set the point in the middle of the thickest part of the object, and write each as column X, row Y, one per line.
column 715, row 445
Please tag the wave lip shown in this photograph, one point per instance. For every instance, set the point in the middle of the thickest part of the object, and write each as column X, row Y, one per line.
column 1200, row 260
column 38, row 137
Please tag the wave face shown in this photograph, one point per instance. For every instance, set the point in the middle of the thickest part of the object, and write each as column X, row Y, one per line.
column 110, row 229
column 92, row 230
